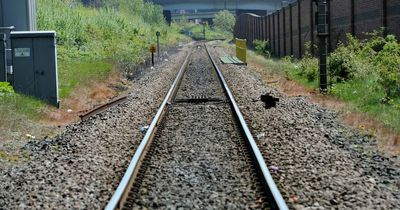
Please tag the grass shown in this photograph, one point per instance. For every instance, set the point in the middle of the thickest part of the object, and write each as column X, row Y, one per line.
column 367, row 98
column 20, row 104
column 81, row 72
column 91, row 42
column 8, row 157
column 211, row 33
column 362, row 95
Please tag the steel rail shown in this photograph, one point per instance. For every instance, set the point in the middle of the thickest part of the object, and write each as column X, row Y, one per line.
column 125, row 185
column 103, row 107
column 269, row 185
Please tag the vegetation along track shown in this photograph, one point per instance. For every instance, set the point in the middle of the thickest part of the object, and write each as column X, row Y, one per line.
column 198, row 151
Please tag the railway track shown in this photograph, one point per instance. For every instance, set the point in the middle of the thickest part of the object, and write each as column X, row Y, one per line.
column 198, row 152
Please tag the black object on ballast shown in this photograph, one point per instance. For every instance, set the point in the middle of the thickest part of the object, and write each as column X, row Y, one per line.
column 269, row 101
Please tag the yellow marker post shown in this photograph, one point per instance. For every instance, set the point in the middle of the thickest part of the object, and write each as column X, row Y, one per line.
column 152, row 49
column 241, row 49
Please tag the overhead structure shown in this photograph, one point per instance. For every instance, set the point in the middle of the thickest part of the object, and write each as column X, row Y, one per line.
column 206, row 9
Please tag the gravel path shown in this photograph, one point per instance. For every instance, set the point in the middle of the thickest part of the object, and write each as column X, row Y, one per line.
column 317, row 161
column 198, row 161
column 81, row 168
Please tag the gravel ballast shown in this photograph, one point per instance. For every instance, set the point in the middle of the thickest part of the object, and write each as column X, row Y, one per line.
column 198, row 160
column 316, row 161
column 200, row 79
column 81, row 168
column 197, row 163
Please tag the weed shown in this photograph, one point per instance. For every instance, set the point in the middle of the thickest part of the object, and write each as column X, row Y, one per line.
column 262, row 48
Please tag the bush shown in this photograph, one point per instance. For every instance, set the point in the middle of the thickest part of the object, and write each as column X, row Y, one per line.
column 6, row 89
column 383, row 56
column 225, row 21
column 387, row 62
column 309, row 67
column 262, row 48
column 342, row 64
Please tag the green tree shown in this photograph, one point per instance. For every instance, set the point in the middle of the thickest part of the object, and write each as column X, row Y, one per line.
column 224, row 20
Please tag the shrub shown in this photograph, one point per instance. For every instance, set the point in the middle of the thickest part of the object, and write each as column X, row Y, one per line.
column 6, row 89
column 387, row 62
column 350, row 61
column 262, row 48
column 341, row 64
column 309, row 67
column 224, row 20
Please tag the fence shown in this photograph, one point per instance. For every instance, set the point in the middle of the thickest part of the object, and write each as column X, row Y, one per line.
column 291, row 27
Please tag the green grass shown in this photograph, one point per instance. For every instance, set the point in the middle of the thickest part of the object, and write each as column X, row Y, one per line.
column 366, row 97
column 211, row 33
column 81, row 72
column 8, row 157
column 363, row 94
column 91, row 42
column 20, row 104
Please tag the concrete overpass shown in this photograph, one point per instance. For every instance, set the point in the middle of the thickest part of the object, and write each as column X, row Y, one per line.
column 205, row 9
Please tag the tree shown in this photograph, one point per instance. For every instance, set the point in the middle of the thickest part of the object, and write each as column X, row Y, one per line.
column 224, row 20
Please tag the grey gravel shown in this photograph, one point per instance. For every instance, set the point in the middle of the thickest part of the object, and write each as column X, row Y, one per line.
column 199, row 160
column 198, row 163
column 200, row 79
column 317, row 161
column 82, row 167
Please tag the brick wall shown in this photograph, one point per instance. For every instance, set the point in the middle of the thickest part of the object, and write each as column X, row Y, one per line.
column 295, row 30
column 340, row 21
column 281, row 35
column 276, row 34
column 305, row 22
column 368, row 16
column 288, row 34
column 393, row 17
column 345, row 16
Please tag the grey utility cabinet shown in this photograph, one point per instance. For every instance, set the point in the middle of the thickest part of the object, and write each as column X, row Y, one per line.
column 18, row 13
column 22, row 15
column 35, row 64
column 3, row 58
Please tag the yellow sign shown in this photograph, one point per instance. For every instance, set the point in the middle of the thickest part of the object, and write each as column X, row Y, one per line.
column 241, row 49
column 153, row 48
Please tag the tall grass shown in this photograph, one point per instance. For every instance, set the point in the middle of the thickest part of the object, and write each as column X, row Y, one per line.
column 196, row 31
column 90, row 42
column 360, row 72
column 89, row 37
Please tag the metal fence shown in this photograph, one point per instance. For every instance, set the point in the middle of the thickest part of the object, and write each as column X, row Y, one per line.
column 289, row 28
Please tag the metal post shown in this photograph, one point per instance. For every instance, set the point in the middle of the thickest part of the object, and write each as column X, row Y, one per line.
column 7, row 53
column 385, row 18
column 352, row 17
column 322, row 29
column 284, row 30
column 323, row 51
column 158, row 44
column 3, row 58
column 204, row 30
column 152, row 58
column 279, row 33
column 299, row 28
column 291, row 29
column 312, row 28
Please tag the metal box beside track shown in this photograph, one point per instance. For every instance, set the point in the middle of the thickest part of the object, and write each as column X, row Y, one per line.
column 35, row 64
column 3, row 58
column 18, row 13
